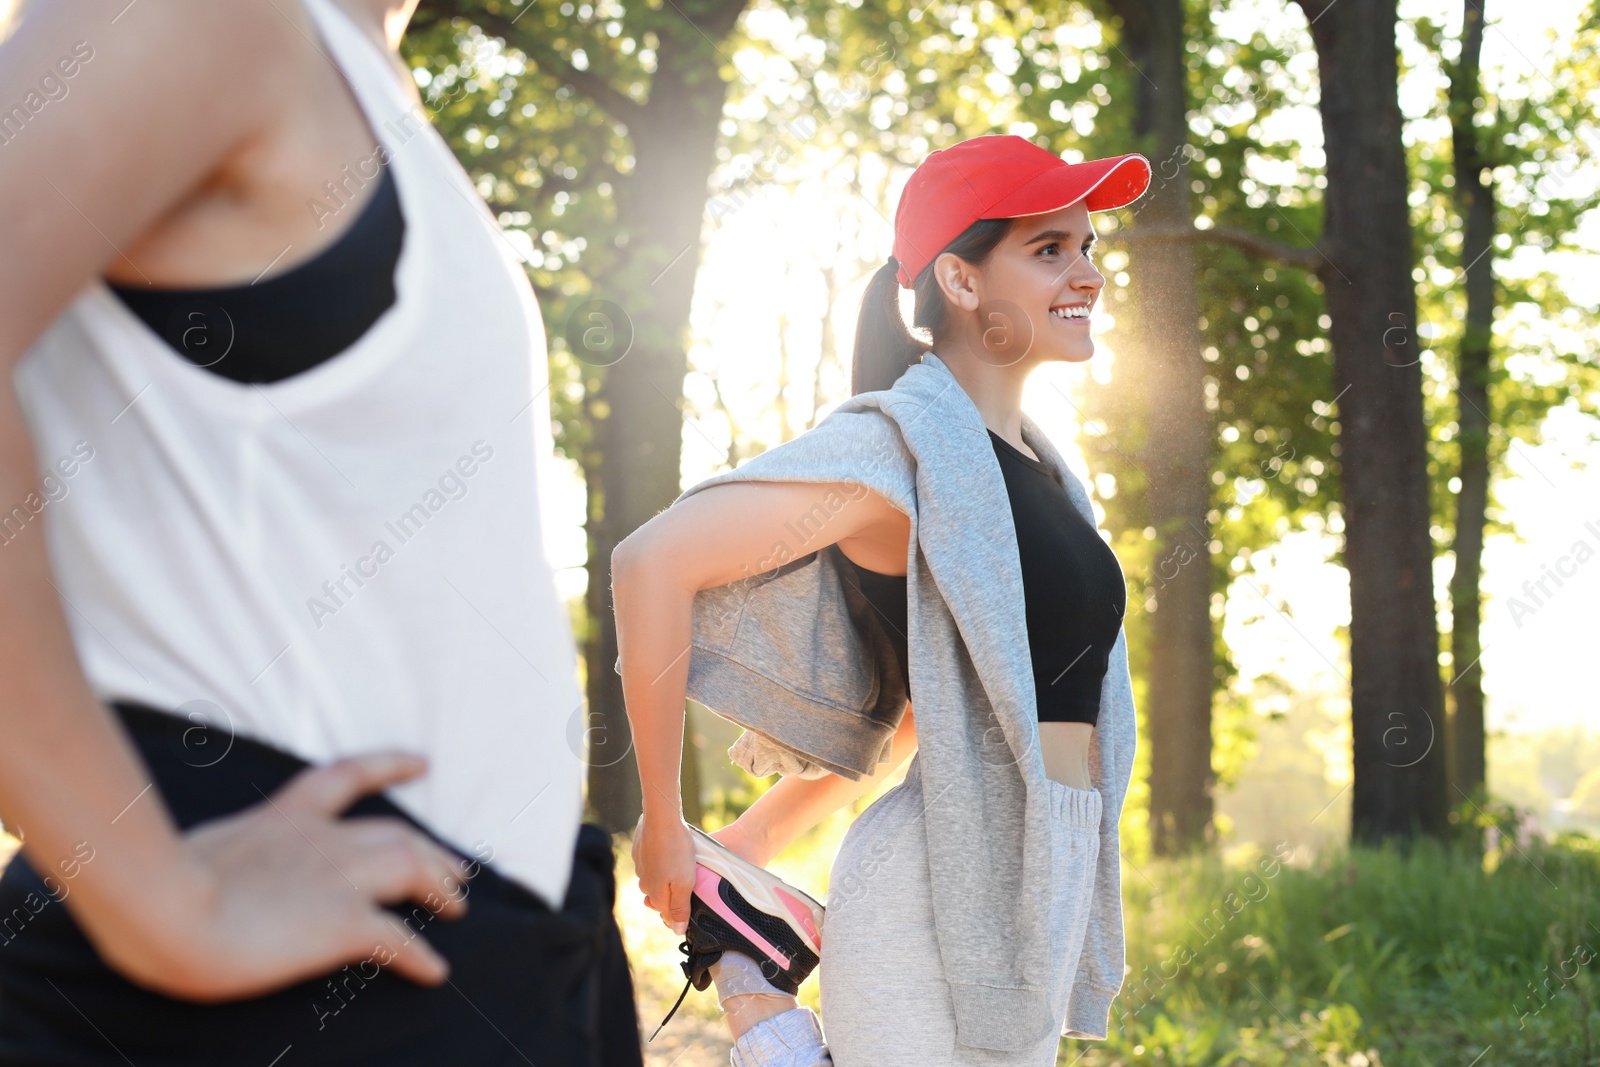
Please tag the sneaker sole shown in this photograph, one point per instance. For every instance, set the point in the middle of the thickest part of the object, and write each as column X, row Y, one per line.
column 763, row 889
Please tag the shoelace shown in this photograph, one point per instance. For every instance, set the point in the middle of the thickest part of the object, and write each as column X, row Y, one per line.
column 689, row 968
column 674, row 1010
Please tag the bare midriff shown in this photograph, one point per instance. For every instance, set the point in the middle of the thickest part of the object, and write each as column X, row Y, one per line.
column 1065, row 747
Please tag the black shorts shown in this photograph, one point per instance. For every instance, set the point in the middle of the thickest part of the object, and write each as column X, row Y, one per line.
column 527, row 985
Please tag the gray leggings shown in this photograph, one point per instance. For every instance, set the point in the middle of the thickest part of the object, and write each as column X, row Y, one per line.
column 885, row 998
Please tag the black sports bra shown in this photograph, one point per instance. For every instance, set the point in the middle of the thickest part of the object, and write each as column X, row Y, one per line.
column 1073, row 591
column 274, row 329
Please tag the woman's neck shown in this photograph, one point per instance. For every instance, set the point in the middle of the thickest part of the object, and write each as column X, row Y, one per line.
column 996, row 391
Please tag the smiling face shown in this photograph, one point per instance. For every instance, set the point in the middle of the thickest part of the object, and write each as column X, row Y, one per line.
column 1032, row 300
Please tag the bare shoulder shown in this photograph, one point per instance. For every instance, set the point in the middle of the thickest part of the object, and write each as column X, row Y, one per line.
column 115, row 111
column 156, row 32
column 741, row 528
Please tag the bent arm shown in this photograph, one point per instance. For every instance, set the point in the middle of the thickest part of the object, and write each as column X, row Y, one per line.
column 713, row 537
column 79, row 178
column 70, row 780
column 794, row 805
column 710, row 538
column 144, row 102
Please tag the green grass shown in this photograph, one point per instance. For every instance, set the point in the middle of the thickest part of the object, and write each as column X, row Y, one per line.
column 1365, row 956
column 1439, row 955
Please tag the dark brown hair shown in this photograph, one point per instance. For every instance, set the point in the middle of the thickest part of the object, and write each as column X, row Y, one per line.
column 884, row 347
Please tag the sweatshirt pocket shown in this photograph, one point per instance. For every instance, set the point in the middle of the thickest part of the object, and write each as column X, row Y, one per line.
column 1075, row 845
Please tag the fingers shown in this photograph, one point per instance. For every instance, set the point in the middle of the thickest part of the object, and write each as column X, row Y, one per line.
column 678, row 905
column 393, row 862
column 405, row 950
column 401, row 864
column 329, row 789
column 661, row 902
column 678, row 924
column 665, row 894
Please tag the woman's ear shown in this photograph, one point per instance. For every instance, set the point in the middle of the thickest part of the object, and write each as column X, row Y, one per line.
column 958, row 279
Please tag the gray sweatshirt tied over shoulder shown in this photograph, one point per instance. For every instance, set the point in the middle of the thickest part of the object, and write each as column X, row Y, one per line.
column 796, row 656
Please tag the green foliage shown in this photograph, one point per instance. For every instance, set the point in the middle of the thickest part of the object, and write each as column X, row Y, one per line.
column 1361, row 957
column 724, row 803
column 1262, row 325
column 1263, row 332
column 547, row 159
column 1533, row 132
column 543, row 125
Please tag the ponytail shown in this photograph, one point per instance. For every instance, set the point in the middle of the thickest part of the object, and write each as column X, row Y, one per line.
column 884, row 349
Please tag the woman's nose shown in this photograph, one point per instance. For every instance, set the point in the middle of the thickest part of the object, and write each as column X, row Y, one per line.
column 1086, row 276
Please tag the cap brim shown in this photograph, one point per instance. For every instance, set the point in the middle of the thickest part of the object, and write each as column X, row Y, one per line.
column 1113, row 182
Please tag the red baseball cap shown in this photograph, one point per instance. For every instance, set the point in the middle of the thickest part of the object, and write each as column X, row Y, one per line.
column 1000, row 176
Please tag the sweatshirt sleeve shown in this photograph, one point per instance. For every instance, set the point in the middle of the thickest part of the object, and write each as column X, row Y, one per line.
column 1103, row 959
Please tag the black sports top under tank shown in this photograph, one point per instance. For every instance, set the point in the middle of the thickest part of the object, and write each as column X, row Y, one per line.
column 1073, row 591
column 270, row 330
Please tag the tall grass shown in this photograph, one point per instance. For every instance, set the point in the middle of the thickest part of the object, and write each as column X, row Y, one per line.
column 1430, row 955
column 1443, row 955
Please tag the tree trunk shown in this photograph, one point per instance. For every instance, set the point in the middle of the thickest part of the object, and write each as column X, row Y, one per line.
column 1395, row 692
column 1167, row 391
column 1475, row 200
column 639, row 321
column 638, row 412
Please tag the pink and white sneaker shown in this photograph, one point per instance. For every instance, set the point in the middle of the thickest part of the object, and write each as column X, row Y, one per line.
column 739, row 907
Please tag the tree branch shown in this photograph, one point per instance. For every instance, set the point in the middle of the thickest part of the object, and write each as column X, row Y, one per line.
column 620, row 105
column 1308, row 259
column 723, row 19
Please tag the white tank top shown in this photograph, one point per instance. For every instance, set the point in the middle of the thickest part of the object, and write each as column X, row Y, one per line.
column 348, row 559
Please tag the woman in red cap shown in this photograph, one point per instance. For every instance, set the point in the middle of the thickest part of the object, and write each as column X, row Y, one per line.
column 994, row 237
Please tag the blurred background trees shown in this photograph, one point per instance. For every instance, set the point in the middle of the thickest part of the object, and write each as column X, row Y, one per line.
column 1312, row 337
column 1336, row 429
